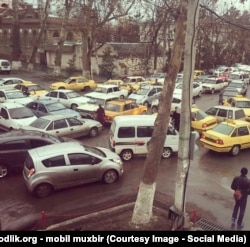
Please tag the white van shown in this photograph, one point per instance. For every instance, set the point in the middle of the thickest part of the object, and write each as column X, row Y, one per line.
column 130, row 134
column 5, row 66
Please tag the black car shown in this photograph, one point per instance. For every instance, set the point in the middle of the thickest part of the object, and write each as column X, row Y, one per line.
column 15, row 144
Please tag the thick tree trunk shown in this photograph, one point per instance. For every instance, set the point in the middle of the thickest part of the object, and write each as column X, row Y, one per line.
column 143, row 206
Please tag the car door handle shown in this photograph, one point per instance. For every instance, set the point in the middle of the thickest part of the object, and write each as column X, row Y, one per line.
column 71, row 129
column 57, row 131
column 75, row 170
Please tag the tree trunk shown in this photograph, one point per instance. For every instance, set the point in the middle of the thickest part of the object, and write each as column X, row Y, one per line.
column 86, row 57
column 40, row 35
column 144, row 203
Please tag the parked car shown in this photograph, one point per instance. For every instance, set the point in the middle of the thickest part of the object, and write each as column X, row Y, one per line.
column 31, row 89
column 146, row 94
column 14, row 96
column 226, row 93
column 230, row 136
column 9, row 82
column 69, row 98
column 121, row 84
column 63, row 165
column 241, row 86
column 243, row 76
column 45, row 107
column 197, row 89
column 15, row 115
column 123, row 107
column 64, row 126
column 14, row 146
column 111, row 89
column 223, row 113
column 212, row 85
column 5, row 66
column 240, row 102
column 88, row 110
column 77, row 83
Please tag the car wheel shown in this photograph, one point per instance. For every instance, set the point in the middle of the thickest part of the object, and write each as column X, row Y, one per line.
column 86, row 89
column 166, row 153
column 61, row 88
column 43, row 190
column 146, row 104
column 144, row 113
column 93, row 132
column 122, row 97
column 3, row 171
column 235, row 150
column 154, row 109
column 126, row 155
column 110, row 176
column 212, row 91
column 73, row 106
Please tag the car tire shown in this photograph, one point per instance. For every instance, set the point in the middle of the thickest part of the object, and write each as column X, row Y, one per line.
column 3, row 171
column 154, row 109
column 86, row 89
column 235, row 150
column 43, row 190
column 122, row 96
column 93, row 132
column 146, row 104
column 61, row 88
column 144, row 112
column 110, row 176
column 73, row 106
column 166, row 153
column 126, row 154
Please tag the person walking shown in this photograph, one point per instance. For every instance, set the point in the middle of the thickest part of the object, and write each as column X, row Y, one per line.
column 241, row 183
column 100, row 115
column 176, row 118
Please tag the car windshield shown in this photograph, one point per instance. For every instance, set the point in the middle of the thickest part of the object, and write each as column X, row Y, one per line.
column 233, row 77
column 112, row 107
column 55, row 107
column 236, row 85
column 243, row 104
column 209, row 81
column 141, row 91
column 35, row 88
column 223, row 129
column 101, row 90
column 94, row 150
column 40, row 123
column 199, row 115
column 20, row 113
column 72, row 95
column 15, row 95
column 230, row 93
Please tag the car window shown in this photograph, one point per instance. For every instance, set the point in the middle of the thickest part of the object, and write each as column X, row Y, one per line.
column 82, row 159
column 32, row 105
column 4, row 114
column 239, row 114
column 38, row 143
column 59, row 124
column 212, row 111
column 62, row 95
column 222, row 113
column 14, row 145
column 243, row 131
column 126, row 132
column 54, row 161
column 53, row 94
column 74, row 122
column 42, row 108
column 145, row 131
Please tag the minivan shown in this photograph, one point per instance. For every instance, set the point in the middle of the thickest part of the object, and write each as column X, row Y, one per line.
column 129, row 136
column 5, row 66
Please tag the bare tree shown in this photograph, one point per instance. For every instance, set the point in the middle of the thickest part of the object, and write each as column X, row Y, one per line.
column 44, row 17
column 144, row 204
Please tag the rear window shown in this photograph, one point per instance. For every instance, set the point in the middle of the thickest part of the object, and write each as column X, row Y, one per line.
column 28, row 163
column 5, row 63
column 223, row 129
column 126, row 132
column 54, row 161
column 14, row 145
column 239, row 114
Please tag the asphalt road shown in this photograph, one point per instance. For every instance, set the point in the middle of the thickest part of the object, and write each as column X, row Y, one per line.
column 208, row 185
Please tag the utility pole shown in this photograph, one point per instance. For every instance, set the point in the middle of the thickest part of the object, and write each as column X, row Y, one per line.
column 183, row 163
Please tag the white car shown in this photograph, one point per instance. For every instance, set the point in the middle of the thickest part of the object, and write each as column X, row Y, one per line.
column 212, row 85
column 197, row 89
column 111, row 89
column 10, row 82
column 65, row 126
column 14, row 96
column 69, row 98
column 15, row 116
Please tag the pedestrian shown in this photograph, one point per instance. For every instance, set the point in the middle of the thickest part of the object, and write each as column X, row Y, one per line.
column 176, row 118
column 100, row 115
column 243, row 184
column 221, row 97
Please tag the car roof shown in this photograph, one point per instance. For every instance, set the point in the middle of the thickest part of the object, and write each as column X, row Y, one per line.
column 121, row 101
column 240, row 98
column 52, row 117
column 97, row 95
column 10, row 105
column 235, row 123
column 16, row 134
column 57, row 148
column 226, row 107
column 46, row 101
column 128, row 119
column 63, row 90
column 12, row 78
column 10, row 90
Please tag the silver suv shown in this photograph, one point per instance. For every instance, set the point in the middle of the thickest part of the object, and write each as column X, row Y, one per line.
column 14, row 146
column 64, row 165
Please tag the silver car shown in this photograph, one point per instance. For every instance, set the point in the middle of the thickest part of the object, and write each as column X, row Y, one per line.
column 63, row 165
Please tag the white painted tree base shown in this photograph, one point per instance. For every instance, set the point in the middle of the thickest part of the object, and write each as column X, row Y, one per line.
column 16, row 65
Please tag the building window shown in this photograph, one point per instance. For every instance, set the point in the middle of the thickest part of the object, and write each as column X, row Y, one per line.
column 70, row 36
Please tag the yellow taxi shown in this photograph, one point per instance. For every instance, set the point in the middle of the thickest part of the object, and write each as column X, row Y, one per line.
column 198, row 73
column 230, row 136
column 201, row 121
column 239, row 101
column 77, row 83
column 121, row 84
column 115, row 108
column 32, row 89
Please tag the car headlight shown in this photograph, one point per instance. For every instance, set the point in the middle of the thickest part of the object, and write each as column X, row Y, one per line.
column 118, row 161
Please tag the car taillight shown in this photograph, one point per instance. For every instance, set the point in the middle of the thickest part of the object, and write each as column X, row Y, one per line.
column 204, row 125
column 113, row 143
column 219, row 141
column 31, row 172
